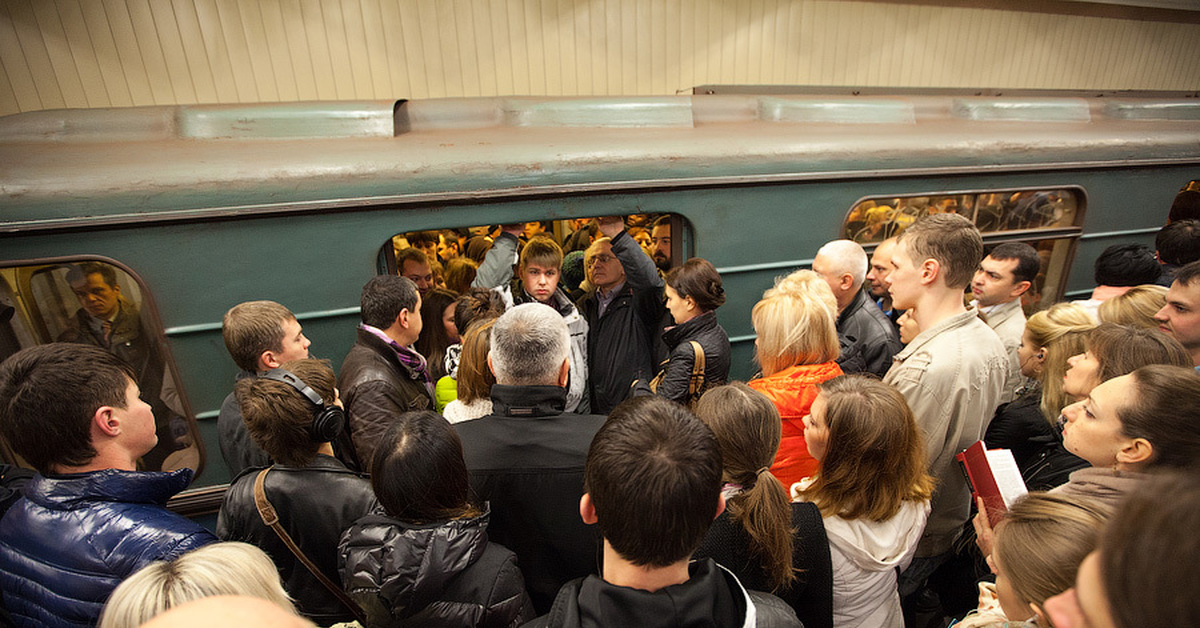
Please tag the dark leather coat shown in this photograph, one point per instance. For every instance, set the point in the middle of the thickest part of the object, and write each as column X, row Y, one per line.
column 375, row 388
column 440, row 574
column 237, row 448
column 316, row 504
column 869, row 328
column 677, row 370
column 74, row 538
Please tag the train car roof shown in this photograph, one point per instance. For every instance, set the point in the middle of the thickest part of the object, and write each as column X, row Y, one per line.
column 95, row 167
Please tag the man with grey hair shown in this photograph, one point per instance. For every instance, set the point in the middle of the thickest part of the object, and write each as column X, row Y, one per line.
column 527, row 458
column 843, row 265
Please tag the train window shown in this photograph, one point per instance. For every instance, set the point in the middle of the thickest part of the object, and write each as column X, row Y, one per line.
column 101, row 304
column 873, row 220
column 454, row 254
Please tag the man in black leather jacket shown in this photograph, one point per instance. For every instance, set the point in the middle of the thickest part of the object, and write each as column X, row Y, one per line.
column 843, row 265
column 653, row 480
column 315, row 495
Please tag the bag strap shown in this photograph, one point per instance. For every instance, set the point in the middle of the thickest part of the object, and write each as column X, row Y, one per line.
column 271, row 517
column 696, row 385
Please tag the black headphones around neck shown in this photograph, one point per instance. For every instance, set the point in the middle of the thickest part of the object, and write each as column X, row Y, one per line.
column 328, row 419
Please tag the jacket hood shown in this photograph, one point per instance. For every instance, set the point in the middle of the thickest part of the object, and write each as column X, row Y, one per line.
column 410, row 564
column 879, row 545
column 64, row 492
column 698, row 324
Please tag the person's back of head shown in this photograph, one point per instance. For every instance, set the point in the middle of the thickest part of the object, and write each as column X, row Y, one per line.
column 475, row 379
column 474, row 304
column 748, row 430
column 653, row 477
column 384, row 296
column 697, row 279
column 1186, row 206
column 1121, row 349
column 1135, row 308
column 280, row 418
column 252, row 328
column 1178, row 243
column 1039, row 545
column 1165, row 411
column 216, row 569
column 844, row 257
column 950, row 239
column 530, row 346
column 1029, row 264
column 418, row 473
column 460, row 272
column 49, row 395
column 796, row 323
column 874, row 458
column 1124, row 265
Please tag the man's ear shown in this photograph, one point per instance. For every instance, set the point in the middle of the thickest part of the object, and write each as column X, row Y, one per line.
column 1021, row 287
column 846, row 282
column 564, row 372
column 720, row 505
column 402, row 318
column 1136, row 451
column 106, row 421
column 587, row 510
column 931, row 269
column 268, row 360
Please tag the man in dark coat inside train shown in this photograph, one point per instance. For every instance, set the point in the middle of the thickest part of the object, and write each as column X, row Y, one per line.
column 89, row 518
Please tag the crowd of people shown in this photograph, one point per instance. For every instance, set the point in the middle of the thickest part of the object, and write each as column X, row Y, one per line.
column 508, row 443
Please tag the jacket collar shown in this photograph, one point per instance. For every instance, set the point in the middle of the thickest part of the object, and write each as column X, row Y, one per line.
column 389, row 352
column 923, row 338
column 528, row 401
column 701, row 323
column 64, row 492
column 860, row 299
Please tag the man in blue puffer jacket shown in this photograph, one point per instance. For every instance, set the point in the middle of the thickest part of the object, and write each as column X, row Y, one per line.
column 88, row 518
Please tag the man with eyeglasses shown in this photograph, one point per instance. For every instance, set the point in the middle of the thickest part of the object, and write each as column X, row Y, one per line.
column 622, row 309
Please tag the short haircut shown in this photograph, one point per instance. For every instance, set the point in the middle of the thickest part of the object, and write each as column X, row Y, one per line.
column 1029, row 264
column 1126, row 265
column 278, row 417
column 1135, row 308
column 698, row 279
column 1121, row 349
column 1178, row 243
column 1186, row 206
column 654, row 475
column 748, row 429
column 950, row 239
column 847, row 256
column 418, row 473
column 1165, row 410
column 474, row 304
column 48, row 396
column 1061, row 331
column 411, row 254
column 216, row 569
column 79, row 273
column 475, row 379
column 875, row 457
column 383, row 298
column 530, row 342
column 1188, row 274
column 796, row 323
column 1148, row 552
column 541, row 251
column 423, row 237
column 460, row 272
column 253, row 327
column 1043, row 538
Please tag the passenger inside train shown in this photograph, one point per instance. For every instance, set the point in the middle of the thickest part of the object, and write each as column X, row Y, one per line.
column 588, row 500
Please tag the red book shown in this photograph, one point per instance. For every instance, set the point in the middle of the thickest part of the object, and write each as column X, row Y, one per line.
column 993, row 475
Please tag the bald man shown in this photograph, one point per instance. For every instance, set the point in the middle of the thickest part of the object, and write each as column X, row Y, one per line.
column 843, row 265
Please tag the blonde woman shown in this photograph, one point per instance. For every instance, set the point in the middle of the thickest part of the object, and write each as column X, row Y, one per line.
column 796, row 348
column 1135, row 308
column 217, row 569
column 872, row 491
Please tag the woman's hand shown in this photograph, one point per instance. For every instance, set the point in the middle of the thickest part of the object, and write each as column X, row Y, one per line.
column 984, row 535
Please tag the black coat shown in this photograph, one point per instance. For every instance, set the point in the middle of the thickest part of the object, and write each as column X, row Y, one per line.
column 869, row 328
column 316, row 504
column 440, row 574
column 527, row 460
column 677, row 369
column 1036, row 445
column 811, row 594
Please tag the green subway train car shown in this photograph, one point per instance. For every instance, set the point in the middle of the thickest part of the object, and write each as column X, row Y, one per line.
column 197, row 208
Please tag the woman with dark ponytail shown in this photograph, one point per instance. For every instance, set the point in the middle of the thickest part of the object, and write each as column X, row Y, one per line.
column 767, row 542
column 693, row 292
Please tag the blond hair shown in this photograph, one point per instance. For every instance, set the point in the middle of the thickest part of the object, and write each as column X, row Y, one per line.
column 1135, row 308
column 796, row 323
column 1060, row 332
column 217, row 569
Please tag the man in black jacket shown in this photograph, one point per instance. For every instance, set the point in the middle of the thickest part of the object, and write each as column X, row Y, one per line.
column 623, row 313
column 383, row 376
column 316, row 497
column 527, row 457
column 843, row 265
column 653, row 480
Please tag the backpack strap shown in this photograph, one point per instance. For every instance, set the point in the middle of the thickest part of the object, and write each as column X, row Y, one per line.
column 271, row 517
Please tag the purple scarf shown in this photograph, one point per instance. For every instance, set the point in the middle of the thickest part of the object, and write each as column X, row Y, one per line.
column 413, row 360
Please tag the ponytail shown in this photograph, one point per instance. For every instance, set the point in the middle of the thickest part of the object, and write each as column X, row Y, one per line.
column 765, row 511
